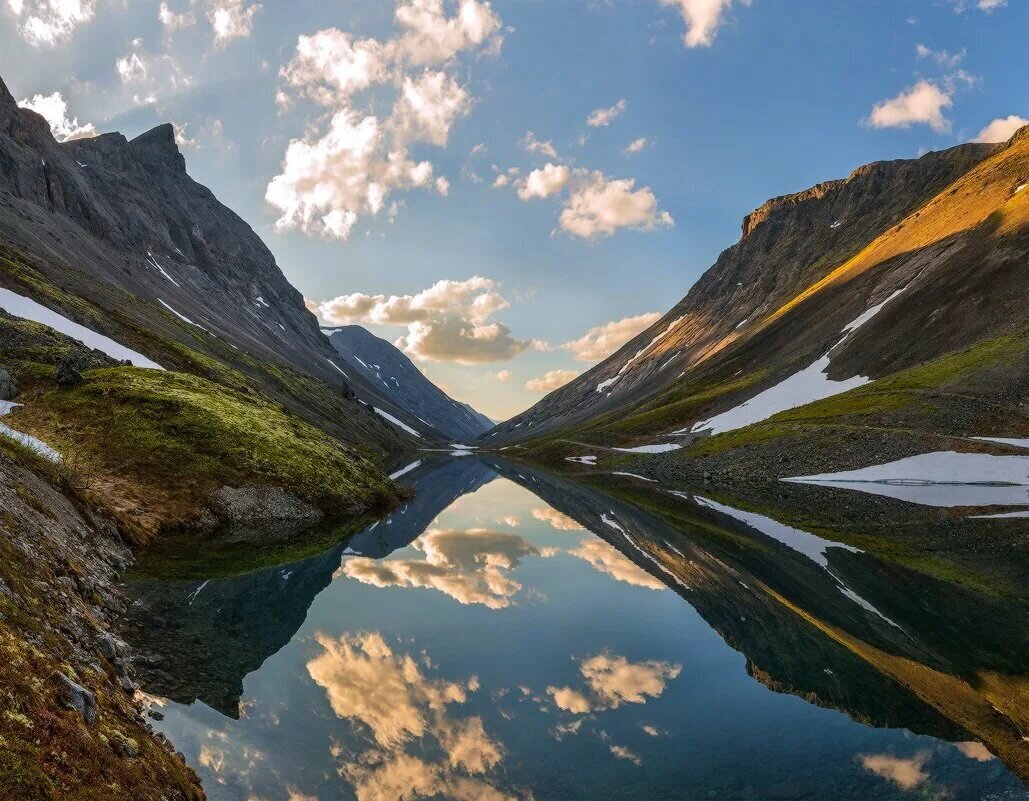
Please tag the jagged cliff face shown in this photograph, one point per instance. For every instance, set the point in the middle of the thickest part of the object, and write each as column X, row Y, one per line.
column 746, row 305
column 384, row 365
column 120, row 224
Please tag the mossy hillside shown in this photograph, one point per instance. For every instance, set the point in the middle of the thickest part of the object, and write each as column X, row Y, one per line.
column 167, row 440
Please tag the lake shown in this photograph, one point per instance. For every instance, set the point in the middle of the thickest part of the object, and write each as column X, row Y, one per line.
column 516, row 634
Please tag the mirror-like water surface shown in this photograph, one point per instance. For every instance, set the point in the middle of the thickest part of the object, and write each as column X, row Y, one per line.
column 512, row 635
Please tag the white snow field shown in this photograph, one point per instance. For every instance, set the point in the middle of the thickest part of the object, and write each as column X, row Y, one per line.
column 27, row 309
column 396, row 422
column 27, row 440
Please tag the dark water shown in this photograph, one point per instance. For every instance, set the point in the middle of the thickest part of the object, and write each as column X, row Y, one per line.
column 510, row 634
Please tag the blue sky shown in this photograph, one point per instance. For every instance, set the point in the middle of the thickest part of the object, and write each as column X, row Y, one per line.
column 404, row 114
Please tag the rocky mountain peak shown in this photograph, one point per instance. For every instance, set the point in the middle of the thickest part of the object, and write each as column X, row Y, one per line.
column 771, row 206
column 157, row 147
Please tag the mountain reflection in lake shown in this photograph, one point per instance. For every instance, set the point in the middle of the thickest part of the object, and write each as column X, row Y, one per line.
column 511, row 634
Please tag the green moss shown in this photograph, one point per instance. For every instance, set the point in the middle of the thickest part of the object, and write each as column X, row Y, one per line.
column 183, row 435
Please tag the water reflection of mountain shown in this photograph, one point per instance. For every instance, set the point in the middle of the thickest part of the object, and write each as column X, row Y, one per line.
column 202, row 637
column 889, row 646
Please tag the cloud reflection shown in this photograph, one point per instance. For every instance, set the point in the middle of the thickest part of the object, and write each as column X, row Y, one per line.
column 608, row 559
column 613, row 680
column 468, row 565
column 556, row 519
column 905, row 773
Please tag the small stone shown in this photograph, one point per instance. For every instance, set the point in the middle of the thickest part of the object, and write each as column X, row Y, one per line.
column 67, row 374
column 156, row 715
column 75, row 696
column 126, row 747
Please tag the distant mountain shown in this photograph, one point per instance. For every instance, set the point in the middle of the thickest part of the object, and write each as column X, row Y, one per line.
column 852, row 284
column 115, row 235
column 382, row 364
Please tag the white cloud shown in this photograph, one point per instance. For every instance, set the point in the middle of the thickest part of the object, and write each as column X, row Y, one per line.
column 551, row 380
column 990, row 5
column 601, row 117
column 148, row 76
column 131, row 68
column 54, row 110
column 1001, row 129
column 448, row 322
column 430, row 37
column 50, row 22
column 173, row 21
column 502, row 375
column 975, row 750
column 544, row 182
column 636, row 145
column 230, row 19
column 944, row 58
column 427, row 108
column 331, row 177
column 921, row 104
column 905, row 773
column 702, row 17
column 534, row 145
column 603, row 340
column 598, row 206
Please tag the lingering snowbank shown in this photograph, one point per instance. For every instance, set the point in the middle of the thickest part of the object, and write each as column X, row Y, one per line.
column 625, row 367
column 396, row 422
column 27, row 440
column 659, row 447
column 943, row 478
column 27, row 309
column 633, row 475
column 807, row 386
column 1018, row 442
column 181, row 316
column 582, row 459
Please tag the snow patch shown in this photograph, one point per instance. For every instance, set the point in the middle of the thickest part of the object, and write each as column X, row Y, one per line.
column 161, row 269
column 661, row 447
column 330, row 361
column 582, row 459
column 396, row 422
column 808, row 385
column 633, row 475
column 30, row 310
column 27, row 440
column 181, row 316
column 1018, row 442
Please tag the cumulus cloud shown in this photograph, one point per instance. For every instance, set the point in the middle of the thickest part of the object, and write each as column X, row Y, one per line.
column 608, row 559
column 531, row 144
column 448, row 322
column 172, row 20
column 636, row 145
column 551, row 380
column 612, row 680
column 549, row 180
column 702, row 17
column 944, row 58
column 602, row 117
column 502, row 375
column 598, row 206
column 54, row 110
column 1001, row 129
column 230, row 19
column 332, row 176
column 921, row 104
column 150, row 76
column 905, row 773
column 471, row 566
column 50, row 22
column 556, row 519
column 601, row 341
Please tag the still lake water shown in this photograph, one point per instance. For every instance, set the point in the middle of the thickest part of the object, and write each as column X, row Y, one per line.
column 511, row 634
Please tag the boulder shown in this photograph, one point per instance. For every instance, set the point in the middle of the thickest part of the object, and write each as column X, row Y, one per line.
column 8, row 386
column 67, row 374
column 75, row 696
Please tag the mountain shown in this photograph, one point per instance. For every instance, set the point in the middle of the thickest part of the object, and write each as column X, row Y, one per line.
column 114, row 234
column 380, row 362
column 904, row 266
